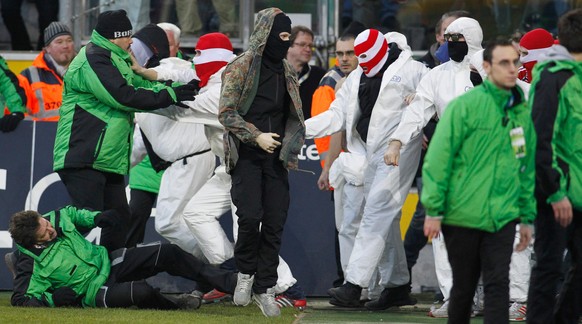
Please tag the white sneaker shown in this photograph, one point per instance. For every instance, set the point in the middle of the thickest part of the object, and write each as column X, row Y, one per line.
column 242, row 292
column 267, row 304
column 441, row 312
column 517, row 312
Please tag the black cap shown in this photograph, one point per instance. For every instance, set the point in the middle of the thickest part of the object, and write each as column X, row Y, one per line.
column 156, row 40
column 113, row 24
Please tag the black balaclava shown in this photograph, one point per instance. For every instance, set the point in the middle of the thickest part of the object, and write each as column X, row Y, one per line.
column 476, row 78
column 276, row 48
column 458, row 50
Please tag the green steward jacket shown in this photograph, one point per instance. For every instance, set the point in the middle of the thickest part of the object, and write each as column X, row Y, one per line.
column 14, row 95
column 101, row 94
column 472, row 176
column 69, row 260
column 556, row 103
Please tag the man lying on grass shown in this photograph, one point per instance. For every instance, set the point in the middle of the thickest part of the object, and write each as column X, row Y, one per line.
column 59, row 267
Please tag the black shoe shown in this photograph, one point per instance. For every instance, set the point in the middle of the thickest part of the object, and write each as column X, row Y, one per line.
column 390, row 297
column 347, row 295
column 192, row 300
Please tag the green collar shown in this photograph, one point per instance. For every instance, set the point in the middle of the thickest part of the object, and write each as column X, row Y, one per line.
column 103, row 42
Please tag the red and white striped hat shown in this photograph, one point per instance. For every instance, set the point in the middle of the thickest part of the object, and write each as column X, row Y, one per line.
column 372, row 50
column 215, row 52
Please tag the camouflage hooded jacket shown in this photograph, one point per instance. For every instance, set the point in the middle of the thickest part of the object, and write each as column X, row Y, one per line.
column 239, row 87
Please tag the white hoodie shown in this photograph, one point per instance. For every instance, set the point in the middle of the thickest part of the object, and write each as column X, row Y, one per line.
column 441, row 85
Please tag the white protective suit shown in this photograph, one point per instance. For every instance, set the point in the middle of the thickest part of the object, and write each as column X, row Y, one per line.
column 378, row 242
column 441, row 85
column 173, row 141
column 204, row 209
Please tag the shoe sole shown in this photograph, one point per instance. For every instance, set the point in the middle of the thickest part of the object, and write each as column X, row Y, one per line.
column 335, row 302
column 410, row 302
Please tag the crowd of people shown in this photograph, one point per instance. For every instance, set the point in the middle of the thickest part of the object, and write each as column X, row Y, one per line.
column 489, row 135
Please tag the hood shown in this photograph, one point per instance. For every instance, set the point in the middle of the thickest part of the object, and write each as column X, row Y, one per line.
column 263, row 24
column 477, row 63
column 472, row 31
column 399, row 39
column 557, row 53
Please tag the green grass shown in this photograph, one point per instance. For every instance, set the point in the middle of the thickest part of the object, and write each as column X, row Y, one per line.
column 218, row 313
column 319, row 311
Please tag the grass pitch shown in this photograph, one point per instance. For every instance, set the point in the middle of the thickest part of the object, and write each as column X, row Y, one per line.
column 318, row 311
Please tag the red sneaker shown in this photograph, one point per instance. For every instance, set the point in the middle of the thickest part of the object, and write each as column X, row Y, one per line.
column 283, row 300
column 215, row 296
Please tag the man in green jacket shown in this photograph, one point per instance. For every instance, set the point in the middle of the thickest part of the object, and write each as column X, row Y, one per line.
column 479, row 175
column 556, row 107
column 59, row 267
column 94, row 133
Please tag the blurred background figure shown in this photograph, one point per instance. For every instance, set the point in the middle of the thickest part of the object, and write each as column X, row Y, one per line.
column 48, row 11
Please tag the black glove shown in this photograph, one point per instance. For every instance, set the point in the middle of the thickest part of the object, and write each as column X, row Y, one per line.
column 195, row 83
column 185, row 93
column 9, row 123
column 108, row 218
column 64, row 296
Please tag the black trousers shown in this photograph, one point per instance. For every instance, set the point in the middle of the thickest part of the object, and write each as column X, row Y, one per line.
column 140, row 207
column 96, row 190
column 551, row 240
column 48, row 11
column 126, row 286
column 260, row 191
column 474, row 252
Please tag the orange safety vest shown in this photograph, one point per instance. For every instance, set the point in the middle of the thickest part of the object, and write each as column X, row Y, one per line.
column 323, row 96
column 44, row 90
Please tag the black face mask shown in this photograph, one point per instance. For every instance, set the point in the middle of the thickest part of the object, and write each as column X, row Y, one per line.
column 276, row 48
column 458, row 50
column 476, row 78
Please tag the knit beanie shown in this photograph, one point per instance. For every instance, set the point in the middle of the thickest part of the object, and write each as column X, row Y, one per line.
column 215, row 52
column 375, row 47
column 113, row 24
column 537, row 38
column 156, row 40
column 54, row 30
column 537, row 42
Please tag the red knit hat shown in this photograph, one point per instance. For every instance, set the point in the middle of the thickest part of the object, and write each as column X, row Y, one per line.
column 537, row 42
column 372, row 43
column 537, row 38
column 213, row 51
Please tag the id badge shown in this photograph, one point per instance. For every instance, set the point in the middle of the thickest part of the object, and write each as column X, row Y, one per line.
column 518, row 142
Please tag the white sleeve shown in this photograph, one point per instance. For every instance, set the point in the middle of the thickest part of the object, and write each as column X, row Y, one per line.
column 417, row 114
column 138, row 150
column 175, row 69
column 332, row 120
column 204, row 109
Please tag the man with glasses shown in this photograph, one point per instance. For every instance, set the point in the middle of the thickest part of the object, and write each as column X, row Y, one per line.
column 298, row 56
column 479, row 176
